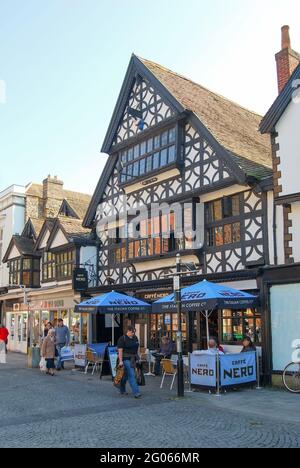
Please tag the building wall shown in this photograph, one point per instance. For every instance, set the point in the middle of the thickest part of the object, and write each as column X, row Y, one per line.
column 12, row 221
column 288, row 129
column 202, row 171
column 295, row 231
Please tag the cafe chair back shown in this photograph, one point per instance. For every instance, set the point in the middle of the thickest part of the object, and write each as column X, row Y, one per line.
column 92, row 359
column 168, row 369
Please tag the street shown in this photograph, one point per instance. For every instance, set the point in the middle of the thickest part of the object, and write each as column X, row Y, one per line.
column 75, row 410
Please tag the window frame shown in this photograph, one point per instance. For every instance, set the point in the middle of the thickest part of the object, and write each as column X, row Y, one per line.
column 64, row 265
column 256, row 316
column 213, row 224
column 128, row 164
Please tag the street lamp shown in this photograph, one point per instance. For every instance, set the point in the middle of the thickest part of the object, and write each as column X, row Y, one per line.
column 177, row 292
column 191, row 268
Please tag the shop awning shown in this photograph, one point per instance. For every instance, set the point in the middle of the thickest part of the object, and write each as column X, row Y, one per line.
column 114, row 303
column 206, row 296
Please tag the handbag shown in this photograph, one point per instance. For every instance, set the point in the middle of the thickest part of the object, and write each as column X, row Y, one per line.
column 120, row 374
column 42, row 365
column 140, row 378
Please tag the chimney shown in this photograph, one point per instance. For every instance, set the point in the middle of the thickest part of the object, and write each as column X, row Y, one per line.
column 287, row 59
column 52, row 196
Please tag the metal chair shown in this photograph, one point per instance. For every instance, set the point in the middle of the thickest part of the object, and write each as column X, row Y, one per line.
column 168, row 370
column 94, row 360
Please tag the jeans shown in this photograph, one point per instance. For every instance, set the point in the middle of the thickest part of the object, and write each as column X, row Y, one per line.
column 59, row 364
column 130, row 375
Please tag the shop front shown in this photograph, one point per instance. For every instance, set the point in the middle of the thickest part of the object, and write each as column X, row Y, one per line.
column 15, row 316
column 52, row 309
column 229, row 326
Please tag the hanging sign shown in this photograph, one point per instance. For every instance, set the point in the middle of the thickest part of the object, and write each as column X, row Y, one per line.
column 238, row 369
column 80, row 279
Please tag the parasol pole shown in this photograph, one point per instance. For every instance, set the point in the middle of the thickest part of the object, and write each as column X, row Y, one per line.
column 112, row 330
column 207, row 329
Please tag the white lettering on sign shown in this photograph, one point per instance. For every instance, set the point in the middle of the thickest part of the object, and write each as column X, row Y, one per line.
column 296, row 353
column 239, row 372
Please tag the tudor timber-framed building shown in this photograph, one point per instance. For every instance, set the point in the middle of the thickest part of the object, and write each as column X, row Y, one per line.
column 171, row 140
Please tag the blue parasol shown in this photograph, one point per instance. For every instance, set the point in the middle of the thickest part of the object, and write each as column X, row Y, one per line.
column 113, row 303
column 206, row 297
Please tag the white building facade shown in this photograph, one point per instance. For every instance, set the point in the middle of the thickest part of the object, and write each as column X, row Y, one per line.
column 12, row 221
column 282, row 281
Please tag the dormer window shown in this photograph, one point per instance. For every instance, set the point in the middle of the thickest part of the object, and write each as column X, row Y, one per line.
column 25, row 271
column 149, row 156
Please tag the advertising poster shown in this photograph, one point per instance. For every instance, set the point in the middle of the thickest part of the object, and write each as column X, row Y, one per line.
column 80, row 355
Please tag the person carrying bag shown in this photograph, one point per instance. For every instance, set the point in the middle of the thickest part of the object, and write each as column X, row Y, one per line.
column 128, row 346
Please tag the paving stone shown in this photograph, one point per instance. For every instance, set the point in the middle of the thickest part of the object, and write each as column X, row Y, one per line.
column 75, row 410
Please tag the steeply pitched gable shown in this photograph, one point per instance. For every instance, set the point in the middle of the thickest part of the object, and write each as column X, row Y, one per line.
column 231, row 129
column 277, row 109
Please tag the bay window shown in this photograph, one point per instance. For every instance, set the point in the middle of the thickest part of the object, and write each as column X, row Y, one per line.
column 148, row 156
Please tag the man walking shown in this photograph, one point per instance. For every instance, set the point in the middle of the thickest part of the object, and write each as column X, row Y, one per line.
column 128, row 346
column 62, row 335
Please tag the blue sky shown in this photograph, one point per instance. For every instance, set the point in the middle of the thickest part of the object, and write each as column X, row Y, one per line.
column 63, row 62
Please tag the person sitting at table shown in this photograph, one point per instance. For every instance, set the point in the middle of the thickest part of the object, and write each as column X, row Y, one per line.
column 165, row 352
column 248, row 345
column 213, row 347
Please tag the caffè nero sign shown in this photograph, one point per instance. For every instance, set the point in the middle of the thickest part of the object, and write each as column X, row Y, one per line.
column 80, row 279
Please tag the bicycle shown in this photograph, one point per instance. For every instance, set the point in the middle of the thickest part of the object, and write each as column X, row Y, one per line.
column 291, row 376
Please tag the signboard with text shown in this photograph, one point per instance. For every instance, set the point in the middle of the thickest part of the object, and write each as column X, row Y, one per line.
column 238, row 369
column 80, row 355
column 80, row 279
column 204, row 370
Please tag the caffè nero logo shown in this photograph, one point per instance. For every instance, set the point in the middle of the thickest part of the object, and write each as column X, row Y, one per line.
column 2, row 92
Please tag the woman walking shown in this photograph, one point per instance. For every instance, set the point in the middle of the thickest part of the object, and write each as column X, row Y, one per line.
column 3, row 341
column 48, row 351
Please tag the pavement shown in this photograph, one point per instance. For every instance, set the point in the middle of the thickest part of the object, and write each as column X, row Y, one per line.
column 77, row 410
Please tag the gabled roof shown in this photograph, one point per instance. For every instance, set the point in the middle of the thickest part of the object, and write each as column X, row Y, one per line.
column 232, row 129
column 24, row 245
column 67, row 210
column 72, row 230
column 233, row 126
column 47, row 226
column 273, row 115
column 29, row 231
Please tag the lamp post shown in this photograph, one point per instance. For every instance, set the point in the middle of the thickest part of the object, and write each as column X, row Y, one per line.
column 177, row 292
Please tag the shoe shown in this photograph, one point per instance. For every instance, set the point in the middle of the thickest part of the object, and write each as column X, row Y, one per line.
column 137, row 396
column 124, row 394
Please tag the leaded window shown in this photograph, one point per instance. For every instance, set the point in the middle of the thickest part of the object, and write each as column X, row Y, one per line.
column 223, row 226
column 25, row 271
column 48, row 266
column 65, row 263
column 148, row 156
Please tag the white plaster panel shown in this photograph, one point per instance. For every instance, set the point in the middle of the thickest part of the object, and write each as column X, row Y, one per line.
column 295, row 231
column 288, row 129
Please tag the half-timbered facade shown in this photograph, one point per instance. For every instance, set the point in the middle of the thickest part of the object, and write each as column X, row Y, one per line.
column 172, row 142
